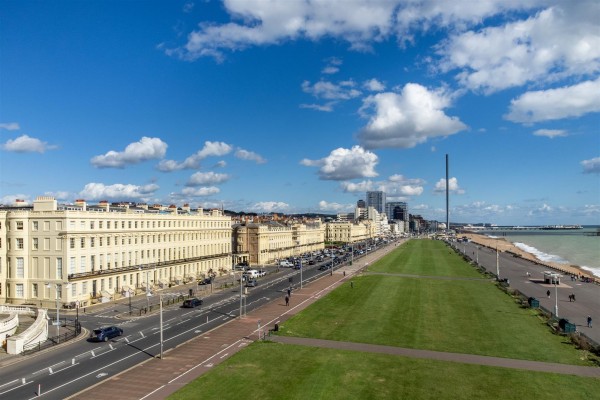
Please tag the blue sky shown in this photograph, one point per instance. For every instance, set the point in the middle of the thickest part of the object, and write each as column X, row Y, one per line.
column 302, row 106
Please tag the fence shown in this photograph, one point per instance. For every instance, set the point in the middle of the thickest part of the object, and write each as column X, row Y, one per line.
column 73, row 329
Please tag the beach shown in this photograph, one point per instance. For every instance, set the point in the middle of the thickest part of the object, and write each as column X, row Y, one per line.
column 504, row 245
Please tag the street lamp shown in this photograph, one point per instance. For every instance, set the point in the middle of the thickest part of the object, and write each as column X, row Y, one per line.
column 555, row 298
column 57, row 323
column 161, row 326
column 497, row 265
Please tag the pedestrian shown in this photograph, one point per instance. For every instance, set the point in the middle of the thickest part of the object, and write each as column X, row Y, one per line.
column 548, row 293
column 352, row 284
column 289, row 291
column 589, row 321
column 287, row 301
column 573, row 296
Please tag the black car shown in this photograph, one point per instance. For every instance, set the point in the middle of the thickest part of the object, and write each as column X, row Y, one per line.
column 104, row 334
column 192, row 303
column 251, row 283
column 324, row 267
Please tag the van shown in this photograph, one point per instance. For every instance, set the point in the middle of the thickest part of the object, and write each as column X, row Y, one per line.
column 285, row 263
column 251, row 274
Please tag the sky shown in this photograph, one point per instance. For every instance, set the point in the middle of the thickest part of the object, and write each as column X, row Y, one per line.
column 297, row 106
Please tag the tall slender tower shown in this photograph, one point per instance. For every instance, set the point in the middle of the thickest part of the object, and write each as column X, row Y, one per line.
column 447, row 198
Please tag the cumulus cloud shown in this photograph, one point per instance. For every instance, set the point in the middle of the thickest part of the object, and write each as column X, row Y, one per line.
column 343, row 90
column 210, row 149
column 249, row 156
column 118, row 191
column 344, row 164
column 10, row 199
column 360, row 22
column 269, row 207
column 333, row 66
column 335, row 207
column 552, row 104
column 26, row 144
column 374, row 85
column 145, row 149
column 327, row 107
column 440, row 186
column 408, row 118
column 551, row 133
column 10, row 126
column 204, row 178
column 591, row 166
column 200, row 192
column 394, row 186
column 60, row 195
column 558, row 42
column 359, row 187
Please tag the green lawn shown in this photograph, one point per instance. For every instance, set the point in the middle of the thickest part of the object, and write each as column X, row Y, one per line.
column 453, row 311
column 274, row 371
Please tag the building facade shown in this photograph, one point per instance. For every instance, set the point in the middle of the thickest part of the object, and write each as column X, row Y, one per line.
column 377, row 200
column 79, row 254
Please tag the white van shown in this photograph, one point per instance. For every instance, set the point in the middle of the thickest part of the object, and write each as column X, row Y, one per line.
column 285, row 263
column 252, row 274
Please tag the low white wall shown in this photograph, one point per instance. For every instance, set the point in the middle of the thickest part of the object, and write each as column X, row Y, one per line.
column 8, row 326
column 36, row 333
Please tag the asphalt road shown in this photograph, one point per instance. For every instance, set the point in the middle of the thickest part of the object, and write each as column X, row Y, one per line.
column 515, row 269
column 75, row 366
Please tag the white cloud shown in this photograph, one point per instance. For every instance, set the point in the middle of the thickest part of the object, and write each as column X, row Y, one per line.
column 358, row 187
column 61, row 195
column 26, row 144
column 202, row 191
column 395, row 186
column 214, row 149
column 344, row 90
column 249, row 156
column 552, row 104
column 118, row 191
column 335, row 207
column 203, row 178
column 551, row 133
column 374, row 85
column 408, row 118
column 344, row 164
column 221, row 164
column 10, row 199
column 358, row 22
column 327, row 107
column 10, row 126
column 145, row 149
column 269, row 207
column 591, row 166
column 558, row 42
column 330, row 69
column 440, row 186
column 544, row 209
column 188, row 6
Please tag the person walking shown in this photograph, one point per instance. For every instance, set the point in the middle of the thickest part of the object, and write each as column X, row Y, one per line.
column 589, row 321
column 289, row 292
column 548, row 293
column 287, row 301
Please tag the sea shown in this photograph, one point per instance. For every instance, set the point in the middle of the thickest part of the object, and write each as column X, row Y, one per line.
column 578, row 247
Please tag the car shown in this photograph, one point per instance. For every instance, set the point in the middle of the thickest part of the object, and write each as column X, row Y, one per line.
column 261, row 273
column 251, row 283
column 192, row 303
column 106, row 333
column 324, row 267
column 311, row 262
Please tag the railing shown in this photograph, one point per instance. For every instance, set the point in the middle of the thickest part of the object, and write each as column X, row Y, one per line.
column 17, row 309
column 143, row 267
column 73, row 329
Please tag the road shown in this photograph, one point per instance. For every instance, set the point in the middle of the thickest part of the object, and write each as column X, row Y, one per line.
column 515, row 269
column 78, row 365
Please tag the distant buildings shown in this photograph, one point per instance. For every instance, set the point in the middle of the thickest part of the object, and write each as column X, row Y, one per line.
column 376, row 200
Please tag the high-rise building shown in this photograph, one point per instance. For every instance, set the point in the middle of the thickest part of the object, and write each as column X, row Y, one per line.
column 396, row 211
column 361, row 204
column 376, row 200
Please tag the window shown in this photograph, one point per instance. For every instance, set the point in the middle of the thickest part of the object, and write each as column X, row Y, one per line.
column 72, row 265
column 108, row 241
column 109, row 283
column 82, row 267
column 59, row 268
column 92, row 242
column 84, row 290
column 20, row 267
column 107, row 224
column 57, row 226
column 20, row 243
column 91, row 224
column 72, row 243
column 34, row 290
column 100, row 224
column 19, row 290
column 72, row 224
column 83, row 243
column 82, row 225
column 73, row 289
column 34, row 225
column 19, row 225
column 35, row 244
column 100, row 241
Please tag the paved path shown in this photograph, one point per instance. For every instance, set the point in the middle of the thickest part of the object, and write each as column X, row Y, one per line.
column 157, row 379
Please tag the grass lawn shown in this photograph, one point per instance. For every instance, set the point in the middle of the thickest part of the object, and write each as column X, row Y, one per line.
column 444, row 313
column 425, row 258
column 275, row 371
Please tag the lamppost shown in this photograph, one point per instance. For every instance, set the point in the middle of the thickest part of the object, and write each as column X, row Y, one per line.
column 477, row 255
column 57, row 323
column 555, row 298
column 497, row 265
column 161, row 326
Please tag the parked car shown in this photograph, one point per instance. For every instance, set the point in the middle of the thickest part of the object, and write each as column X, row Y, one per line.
column 251, row 283
column 192, row 303
column 106, row 333
column 261, row 273
column 324, row 267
